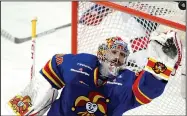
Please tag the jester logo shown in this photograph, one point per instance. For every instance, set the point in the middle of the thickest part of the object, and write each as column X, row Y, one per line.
column 93, row 103
column 20, row 104
column 159, row 68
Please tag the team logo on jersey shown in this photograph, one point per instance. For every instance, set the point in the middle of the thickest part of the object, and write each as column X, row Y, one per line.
column 59, row 59
column 159, row 68
column 93, row 103
column 20, row 105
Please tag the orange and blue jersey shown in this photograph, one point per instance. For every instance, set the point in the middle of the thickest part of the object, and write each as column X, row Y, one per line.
column 85, row 94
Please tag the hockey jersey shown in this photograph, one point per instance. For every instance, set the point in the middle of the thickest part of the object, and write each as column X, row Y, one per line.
column 84, row 95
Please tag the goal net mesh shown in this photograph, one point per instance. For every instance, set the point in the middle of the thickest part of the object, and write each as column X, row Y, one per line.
column 97, row 22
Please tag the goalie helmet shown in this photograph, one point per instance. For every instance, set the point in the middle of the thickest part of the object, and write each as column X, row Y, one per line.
column 112, row 56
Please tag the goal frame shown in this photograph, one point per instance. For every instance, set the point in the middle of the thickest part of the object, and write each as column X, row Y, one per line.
column 121, row 8
column 137, row 13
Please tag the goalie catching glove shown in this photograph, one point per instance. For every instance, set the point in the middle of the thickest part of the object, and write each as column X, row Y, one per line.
column 164, row 54
column 35, row 99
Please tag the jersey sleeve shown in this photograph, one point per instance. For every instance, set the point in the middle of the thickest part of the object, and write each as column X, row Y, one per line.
column 53, row 70
column 147, row 87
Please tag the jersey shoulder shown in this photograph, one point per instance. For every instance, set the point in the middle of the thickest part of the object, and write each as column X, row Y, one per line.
column 59, row 59
column 86, row 56
column 81, row 58
column 87, row 59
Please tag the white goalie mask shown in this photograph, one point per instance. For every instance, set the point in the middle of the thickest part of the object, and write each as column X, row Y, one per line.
column 112, row 56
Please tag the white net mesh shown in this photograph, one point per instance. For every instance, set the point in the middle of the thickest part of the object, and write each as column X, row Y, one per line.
column 96, row 23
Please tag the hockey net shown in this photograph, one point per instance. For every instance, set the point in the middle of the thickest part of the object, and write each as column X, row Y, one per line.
column 93, row 22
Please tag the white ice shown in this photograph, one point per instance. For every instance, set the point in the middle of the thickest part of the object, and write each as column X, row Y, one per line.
column 16, row 58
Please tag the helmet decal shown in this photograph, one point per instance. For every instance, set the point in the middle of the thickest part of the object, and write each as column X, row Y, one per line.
column 112, row 43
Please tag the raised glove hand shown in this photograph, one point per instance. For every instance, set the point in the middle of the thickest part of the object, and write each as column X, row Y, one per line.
column 164, row 54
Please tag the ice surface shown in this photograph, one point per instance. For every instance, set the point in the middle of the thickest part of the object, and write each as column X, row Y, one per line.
column 16, row 58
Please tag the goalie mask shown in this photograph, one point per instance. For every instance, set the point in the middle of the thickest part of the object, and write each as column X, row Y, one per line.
column 112, row 56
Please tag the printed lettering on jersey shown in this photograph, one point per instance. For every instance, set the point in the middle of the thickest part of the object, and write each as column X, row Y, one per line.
column 93, row 103
column 20, row 105
column 80, row 70
column 84, row 65
column 59, row 59
column 114, row 83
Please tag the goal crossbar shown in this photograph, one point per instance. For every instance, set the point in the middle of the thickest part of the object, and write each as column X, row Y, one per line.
column 122, row 9
column 143, row 15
